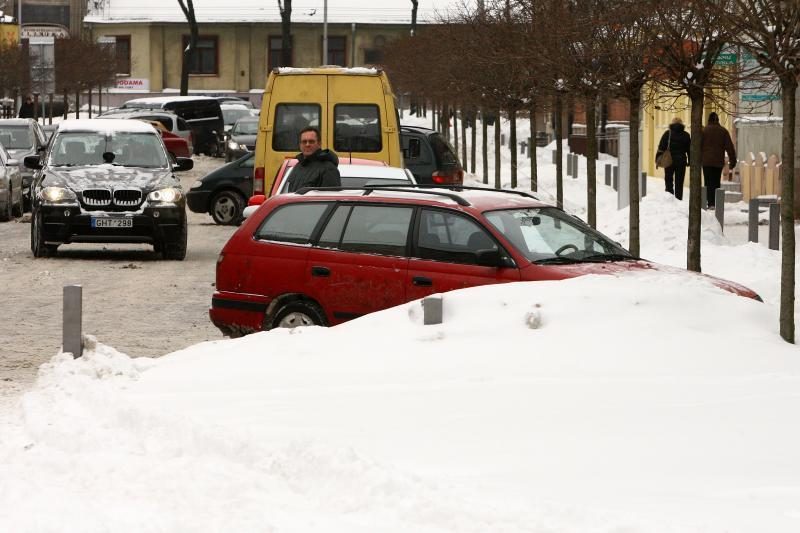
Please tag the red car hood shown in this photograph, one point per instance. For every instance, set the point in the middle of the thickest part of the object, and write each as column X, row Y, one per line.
column 622, row 267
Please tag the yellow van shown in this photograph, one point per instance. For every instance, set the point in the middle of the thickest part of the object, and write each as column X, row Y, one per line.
column 352, row 107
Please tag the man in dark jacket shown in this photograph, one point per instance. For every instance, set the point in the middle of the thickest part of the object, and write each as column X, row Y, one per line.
column 316, row 167
column 716, row 142
column 26, row 109
column 678, row 142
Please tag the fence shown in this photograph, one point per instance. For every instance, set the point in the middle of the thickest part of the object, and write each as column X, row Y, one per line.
column 760, row 175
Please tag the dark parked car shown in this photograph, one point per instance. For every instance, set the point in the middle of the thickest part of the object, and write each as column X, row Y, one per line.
column 22, row 137
column 223, row 193
column 107, row 181
column 430, row 157
column 321, row 257
column 241, row 138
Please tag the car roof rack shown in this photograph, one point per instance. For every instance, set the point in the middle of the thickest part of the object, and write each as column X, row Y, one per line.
column 396, row 188
column 454, row 187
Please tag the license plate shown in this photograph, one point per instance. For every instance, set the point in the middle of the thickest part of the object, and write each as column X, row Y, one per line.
column 112, row 222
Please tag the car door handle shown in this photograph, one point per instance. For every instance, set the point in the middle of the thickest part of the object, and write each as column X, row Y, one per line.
column 422, row 282
column 321, row 272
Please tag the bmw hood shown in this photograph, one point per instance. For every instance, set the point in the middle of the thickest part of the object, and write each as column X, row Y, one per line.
column 109, row 177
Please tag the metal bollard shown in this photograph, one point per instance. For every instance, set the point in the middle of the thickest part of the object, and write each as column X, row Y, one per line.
column 643, row 185
column 72, row 337
column 719, row 207
column 774, row 226
column 575, row 166
column 615, row 178
column 608, row 174
column 502, row 139
column 752, row 221
column 555, row 157
column 569, row 164
column 703, row 198
column 432, row 309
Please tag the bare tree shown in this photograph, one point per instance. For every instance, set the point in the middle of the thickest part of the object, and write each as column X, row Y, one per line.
column 189, row 52
column 769, row 30
column 414, row 6
column 285, row 8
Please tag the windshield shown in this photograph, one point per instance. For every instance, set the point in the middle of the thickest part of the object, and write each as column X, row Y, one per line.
column 16, row 137
column 545, row 233
column 246, row 127
column 231, row 114
column 129, row 149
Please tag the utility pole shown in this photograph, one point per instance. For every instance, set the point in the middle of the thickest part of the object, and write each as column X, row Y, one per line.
column 325, row 33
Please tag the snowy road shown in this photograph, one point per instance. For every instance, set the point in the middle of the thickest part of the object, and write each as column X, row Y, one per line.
column 133, row 300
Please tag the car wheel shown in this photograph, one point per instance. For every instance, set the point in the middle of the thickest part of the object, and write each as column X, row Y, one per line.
column 38, row 246
column 176, row 251
column 299, row 314
column 213, row 149
column 226, row 208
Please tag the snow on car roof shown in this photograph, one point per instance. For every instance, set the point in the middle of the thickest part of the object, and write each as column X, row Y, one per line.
column 367, row 71
column 372, row 171
column 106, row 125
column 165, row 99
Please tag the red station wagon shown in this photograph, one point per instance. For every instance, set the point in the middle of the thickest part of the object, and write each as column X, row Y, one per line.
column 324, row 256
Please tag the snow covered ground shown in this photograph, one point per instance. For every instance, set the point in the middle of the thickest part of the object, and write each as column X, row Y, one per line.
column 639, row 403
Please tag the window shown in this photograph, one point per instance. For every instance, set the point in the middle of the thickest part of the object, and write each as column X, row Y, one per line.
column 337, row 51
column 205, row 55
column 289, row 120
column 445, row 155
column 450, row 237
column 292, row 223
column 275, row 53
column 369, row 229
column 357, row 128
column 373, row 56
column 122, row 51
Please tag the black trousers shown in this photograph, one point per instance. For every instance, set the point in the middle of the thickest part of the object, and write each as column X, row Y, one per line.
column 679, row 171
column 711, row 179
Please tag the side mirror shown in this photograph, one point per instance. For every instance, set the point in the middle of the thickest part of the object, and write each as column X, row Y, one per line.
column 183, row 163
column 33, row 161
column 492, row 258
column 257, row 199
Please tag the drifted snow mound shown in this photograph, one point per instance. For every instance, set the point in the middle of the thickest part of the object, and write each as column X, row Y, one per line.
column 638, row 403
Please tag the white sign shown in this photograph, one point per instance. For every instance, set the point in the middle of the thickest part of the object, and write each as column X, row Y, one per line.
column 133, row 84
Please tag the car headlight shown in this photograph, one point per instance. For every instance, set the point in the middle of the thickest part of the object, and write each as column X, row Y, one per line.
column 168, row 195
column 232, row 145
column 55, row 195
column 243, row 147
column 196, row 185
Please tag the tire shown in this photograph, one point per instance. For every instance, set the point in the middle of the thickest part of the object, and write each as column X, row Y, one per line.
column 226, row 208
column 299, row 314
column 38, row 246
column 176, row 251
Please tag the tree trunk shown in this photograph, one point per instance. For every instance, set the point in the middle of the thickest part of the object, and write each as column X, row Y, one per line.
column 485, row 147
column 286, row 34
column 591, row 161
column 633, row 176
column 188, row 53
column 532, row 148
column 77, row 103
column 464, row 139
column 512, row 144
column 697, row 98
column 559, row 155
column 415, row 5
column 473, row 138
column 454, row 111
column 497, row 181
column 433, row 115
column 788, row 92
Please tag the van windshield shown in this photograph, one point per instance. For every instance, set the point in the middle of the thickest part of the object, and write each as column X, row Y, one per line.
column 290, row 119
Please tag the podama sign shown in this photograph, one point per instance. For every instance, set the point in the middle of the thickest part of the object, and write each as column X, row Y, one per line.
column 133, row 84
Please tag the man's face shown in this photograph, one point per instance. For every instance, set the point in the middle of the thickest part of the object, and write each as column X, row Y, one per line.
column 309, row 143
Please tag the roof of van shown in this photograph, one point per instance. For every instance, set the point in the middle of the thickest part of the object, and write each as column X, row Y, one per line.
column 105, row 125
column 363, row 71
column 165, row 99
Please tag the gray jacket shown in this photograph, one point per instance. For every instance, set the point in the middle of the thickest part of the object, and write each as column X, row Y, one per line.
column 317, row 170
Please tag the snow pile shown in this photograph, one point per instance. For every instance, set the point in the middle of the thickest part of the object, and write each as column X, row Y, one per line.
column 631, row 403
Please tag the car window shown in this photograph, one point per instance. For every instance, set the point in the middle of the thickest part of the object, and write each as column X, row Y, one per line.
column 130, row 149
column 16, row 137
column 245, row 127
column 3, row 155
column 292, row 223
column 166, row 121
column 231, row 114
column 357, row 128
column 290, row 119
column 372, row 229
column 544, row 233
column 417, row 151
column 182, row 124
column 445, row 156
column 451, row 237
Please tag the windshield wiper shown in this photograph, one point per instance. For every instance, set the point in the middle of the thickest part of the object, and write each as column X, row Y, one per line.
column 603, row 258
column 558, row 260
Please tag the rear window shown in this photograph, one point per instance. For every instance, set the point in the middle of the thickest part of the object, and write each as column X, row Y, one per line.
column 166, row 121
column 15, row 137
column 182, row 125
column 290, row 119
column 445, row 156
column 292, row 223
column 357, row 128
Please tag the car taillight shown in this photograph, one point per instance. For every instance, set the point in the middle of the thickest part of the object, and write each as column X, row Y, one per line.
column 258, row 181
column 451, row 177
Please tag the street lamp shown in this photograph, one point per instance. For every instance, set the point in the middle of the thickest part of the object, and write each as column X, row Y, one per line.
column 324, row 33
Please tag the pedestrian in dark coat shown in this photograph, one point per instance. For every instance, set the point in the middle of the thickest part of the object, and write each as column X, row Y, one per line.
column 715, row 144
column 678, row 142
column 26, row 108
column 316, row 167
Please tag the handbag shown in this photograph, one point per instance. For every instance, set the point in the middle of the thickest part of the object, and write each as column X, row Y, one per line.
column 665, row 159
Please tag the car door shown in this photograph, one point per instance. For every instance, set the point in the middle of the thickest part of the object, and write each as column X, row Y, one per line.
column 444, row 255
column 359, row 262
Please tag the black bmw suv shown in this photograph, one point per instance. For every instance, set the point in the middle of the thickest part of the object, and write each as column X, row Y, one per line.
column 108, row 181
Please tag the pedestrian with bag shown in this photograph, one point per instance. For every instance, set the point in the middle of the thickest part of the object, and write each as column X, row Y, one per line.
column 716, row 142
column 673, row 155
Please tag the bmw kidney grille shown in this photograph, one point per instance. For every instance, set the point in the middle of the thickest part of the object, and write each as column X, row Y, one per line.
column 105, row 197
